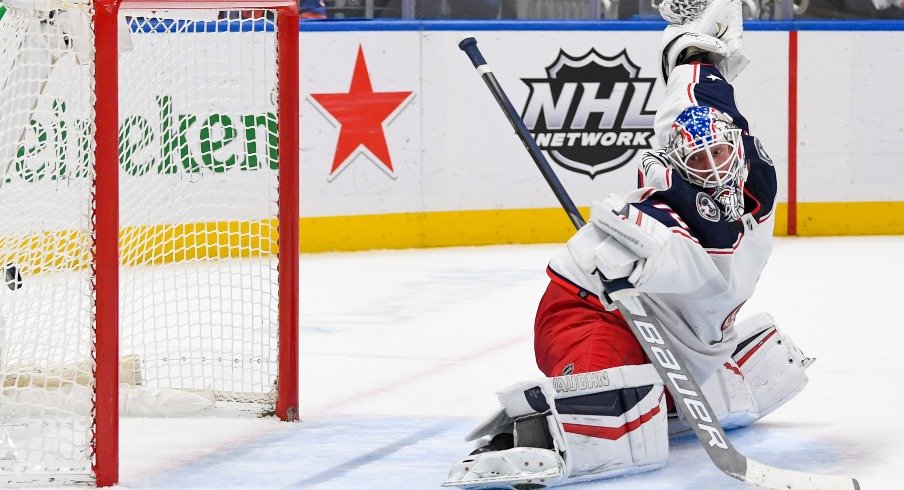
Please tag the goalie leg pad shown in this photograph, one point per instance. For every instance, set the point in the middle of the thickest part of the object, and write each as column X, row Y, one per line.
column 580, row 427
column 773, row 366
column 765, row 372
column 730, row 397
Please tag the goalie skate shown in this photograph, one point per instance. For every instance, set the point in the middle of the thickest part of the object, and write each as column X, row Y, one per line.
column 516, row 468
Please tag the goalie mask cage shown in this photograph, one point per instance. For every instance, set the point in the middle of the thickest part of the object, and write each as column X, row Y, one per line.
column 149, row 194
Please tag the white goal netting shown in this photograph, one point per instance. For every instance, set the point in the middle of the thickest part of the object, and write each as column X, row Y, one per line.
column 198, row 234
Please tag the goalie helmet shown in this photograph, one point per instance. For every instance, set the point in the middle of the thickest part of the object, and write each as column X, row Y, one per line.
column 705, row 147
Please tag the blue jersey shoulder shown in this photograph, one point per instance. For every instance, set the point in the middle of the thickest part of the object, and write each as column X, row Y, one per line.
column 713, row 90
column 761, row 185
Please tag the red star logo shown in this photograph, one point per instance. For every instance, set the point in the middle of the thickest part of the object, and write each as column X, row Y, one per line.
column 360, row 113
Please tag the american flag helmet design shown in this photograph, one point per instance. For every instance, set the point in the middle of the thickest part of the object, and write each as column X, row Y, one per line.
column 700, row 131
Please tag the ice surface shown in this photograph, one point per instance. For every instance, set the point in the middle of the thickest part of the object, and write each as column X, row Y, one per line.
column 402, row 352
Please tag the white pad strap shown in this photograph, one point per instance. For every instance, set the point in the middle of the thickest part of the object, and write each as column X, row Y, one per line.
column 492, row 425
column 519, row 467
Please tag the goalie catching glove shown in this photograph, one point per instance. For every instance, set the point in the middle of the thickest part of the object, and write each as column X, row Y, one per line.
column 703, row 26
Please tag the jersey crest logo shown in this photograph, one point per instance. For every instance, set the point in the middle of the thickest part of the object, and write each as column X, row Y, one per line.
column 707, row 208
column 589, row 113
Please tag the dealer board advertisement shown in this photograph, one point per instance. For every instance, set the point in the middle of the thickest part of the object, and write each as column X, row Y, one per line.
column 403, row 146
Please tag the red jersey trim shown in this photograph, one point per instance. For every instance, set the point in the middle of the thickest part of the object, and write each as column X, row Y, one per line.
column 726, row 251
column 647, row 193
column 757, row 201
column 690, row 86
column 766, row 217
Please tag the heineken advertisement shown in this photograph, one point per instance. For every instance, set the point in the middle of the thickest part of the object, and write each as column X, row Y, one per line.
column 166, row 142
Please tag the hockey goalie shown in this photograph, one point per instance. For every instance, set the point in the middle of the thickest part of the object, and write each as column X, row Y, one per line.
column 704, row 212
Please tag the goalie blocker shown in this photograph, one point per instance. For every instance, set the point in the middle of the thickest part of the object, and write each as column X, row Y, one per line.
column 613, row 422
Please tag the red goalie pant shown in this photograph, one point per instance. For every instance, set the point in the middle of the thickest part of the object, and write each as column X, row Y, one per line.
column 574, row 334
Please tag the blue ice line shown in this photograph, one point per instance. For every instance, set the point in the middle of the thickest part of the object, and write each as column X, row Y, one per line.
column 375, row 455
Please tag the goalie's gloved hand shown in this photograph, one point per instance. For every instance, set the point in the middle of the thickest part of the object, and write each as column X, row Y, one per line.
column 615, row 261
column 605, row 261
column 633, row 239
column 679, row 12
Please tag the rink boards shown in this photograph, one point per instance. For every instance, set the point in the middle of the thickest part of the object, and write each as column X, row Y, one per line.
column 403, row 146
column 821, row 99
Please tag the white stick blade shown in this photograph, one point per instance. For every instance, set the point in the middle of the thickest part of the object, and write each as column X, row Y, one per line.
column 771, row 477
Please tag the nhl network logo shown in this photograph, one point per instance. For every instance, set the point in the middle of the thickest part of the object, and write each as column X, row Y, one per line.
column 590, row 113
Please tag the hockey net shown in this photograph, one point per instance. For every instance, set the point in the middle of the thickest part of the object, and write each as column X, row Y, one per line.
column 201, row 291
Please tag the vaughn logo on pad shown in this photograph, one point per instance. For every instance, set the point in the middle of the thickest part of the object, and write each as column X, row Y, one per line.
column 589, row 113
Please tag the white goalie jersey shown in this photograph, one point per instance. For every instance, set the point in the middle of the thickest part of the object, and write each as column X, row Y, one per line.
column 709, row 265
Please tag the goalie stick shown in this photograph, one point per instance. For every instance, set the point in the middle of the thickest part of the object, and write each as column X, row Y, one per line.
column 648, row 330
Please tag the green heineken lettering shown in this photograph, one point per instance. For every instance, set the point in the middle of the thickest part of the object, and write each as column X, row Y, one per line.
column 55, row 145
column 210, row 145
column 59, row 139
column 268, row 123
column 135, row 134
column 83, row 148
column 171, row 141
column 26, row 155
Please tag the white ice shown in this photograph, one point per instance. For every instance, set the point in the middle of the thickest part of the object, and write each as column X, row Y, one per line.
column 402, row 351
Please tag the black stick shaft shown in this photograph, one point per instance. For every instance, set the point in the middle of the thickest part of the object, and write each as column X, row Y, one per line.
column 469, row 46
